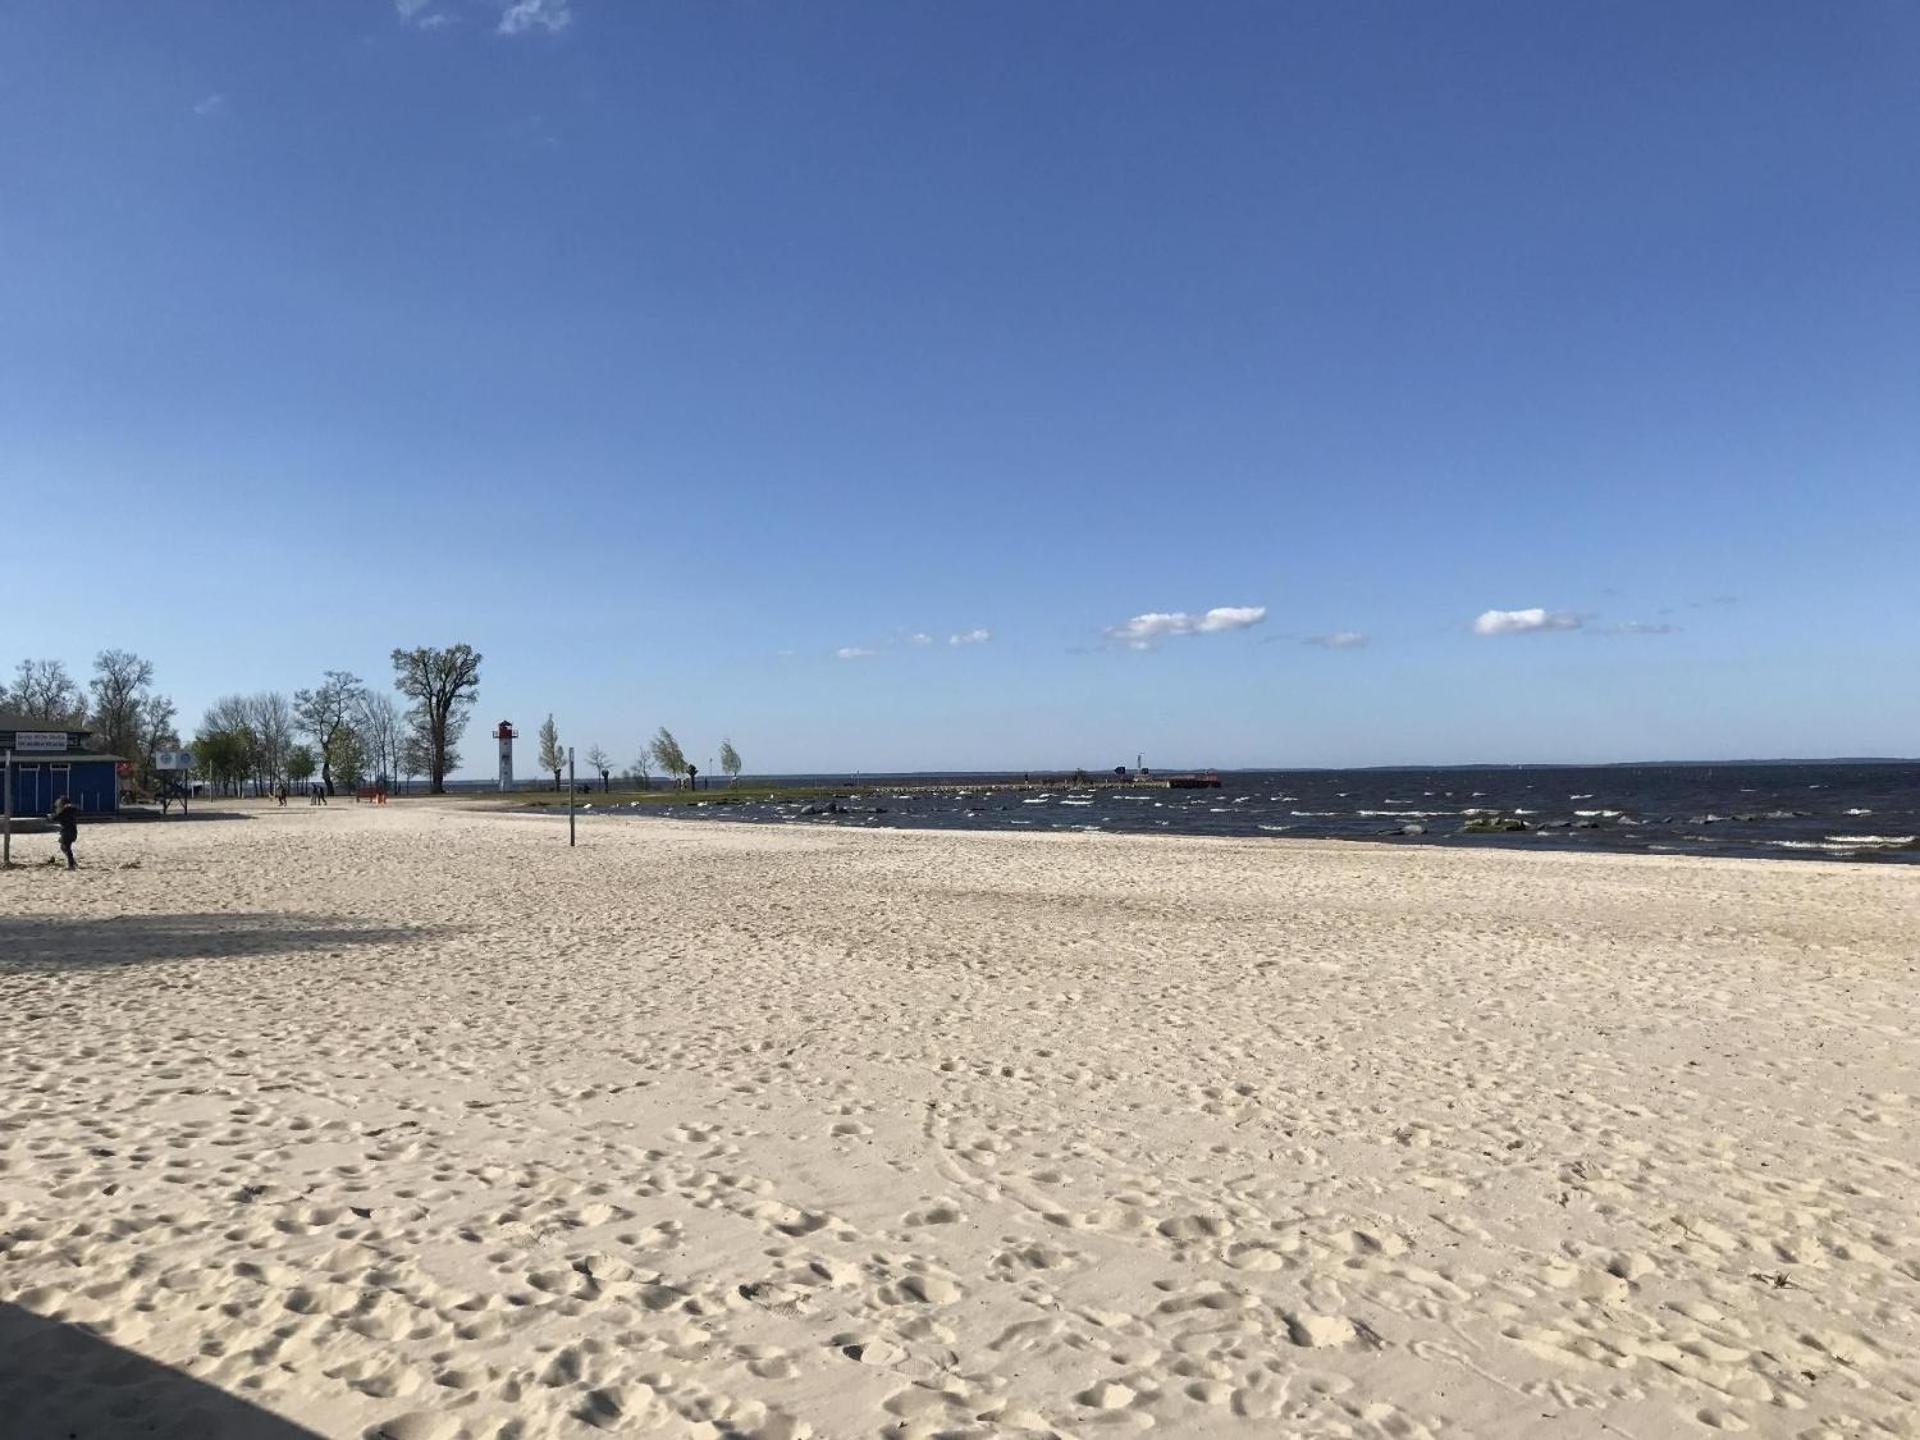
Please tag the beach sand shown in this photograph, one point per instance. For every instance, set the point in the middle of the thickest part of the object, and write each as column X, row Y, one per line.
column 414, row 1122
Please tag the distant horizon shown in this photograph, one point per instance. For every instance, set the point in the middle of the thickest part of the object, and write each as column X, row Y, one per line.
column 989, row 380
column 538, row 778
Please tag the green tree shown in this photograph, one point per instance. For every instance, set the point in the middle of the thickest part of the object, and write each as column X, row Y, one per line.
column 552, row 757
column 730, row 761
column 442, row 684
column 225, row 757
column 300, row 764
column 350, row 756
column 667, row 754
column 324, row 712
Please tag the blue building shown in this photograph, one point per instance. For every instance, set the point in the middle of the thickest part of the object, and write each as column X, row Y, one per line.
column 51, row 759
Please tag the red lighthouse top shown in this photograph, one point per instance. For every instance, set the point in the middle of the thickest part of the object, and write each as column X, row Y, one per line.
column 505, row 732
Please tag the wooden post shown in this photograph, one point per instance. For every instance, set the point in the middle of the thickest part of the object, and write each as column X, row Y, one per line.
column 570, row 839
column 6, row 825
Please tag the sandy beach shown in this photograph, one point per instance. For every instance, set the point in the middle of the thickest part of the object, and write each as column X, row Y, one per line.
column 412, row 1122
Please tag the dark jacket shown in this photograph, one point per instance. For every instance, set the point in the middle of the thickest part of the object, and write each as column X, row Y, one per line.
column 68, row 819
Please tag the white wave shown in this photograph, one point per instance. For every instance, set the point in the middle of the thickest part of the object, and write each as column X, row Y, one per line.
column 1889, row 840
column 1859, row 812
column 1313, row 814
column 1402, row 814
column 1275, row 828
column 1587, row 796
column 1598, row 814
column 1041, row 800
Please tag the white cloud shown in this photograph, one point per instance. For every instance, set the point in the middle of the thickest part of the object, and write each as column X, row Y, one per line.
column 921, row 638
column 975, row 636
column 211, row 106
column 524, row 15
column 1525, row 622
column 854, row 652
column 1338, row 640
column 1143, row 632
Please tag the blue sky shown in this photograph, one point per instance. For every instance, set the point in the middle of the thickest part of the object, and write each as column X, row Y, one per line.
column 669, row 352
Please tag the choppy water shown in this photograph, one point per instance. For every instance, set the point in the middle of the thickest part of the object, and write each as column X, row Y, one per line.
column 1839, row 811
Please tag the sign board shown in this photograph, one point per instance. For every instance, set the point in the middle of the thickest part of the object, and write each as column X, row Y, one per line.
column 173, row 760
column 42, row 740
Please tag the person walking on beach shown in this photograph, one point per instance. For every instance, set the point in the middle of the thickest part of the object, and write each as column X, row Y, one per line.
column 67, row 817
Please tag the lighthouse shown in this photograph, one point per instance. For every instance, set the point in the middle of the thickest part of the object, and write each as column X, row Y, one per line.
column 504, row 734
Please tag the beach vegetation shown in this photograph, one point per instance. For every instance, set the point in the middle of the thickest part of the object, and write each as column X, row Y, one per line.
column 552, row 757
column 443, row 685
column 668, row 755
column 324, row 712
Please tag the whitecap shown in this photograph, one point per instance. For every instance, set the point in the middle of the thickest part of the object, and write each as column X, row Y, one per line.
column 1885, row 840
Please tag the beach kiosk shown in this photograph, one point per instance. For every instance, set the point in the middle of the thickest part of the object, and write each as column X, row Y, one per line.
column 48, row 759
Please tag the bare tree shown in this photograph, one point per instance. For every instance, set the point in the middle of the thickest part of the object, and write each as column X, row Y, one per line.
column 442, row 684
column 43, row 690
column 270, row 718
column 730, row 761
column 157, row 716
column 667, row 754
column 552, row 757
column 120, row 684
column 598, row 759
column 638, row 769
column 382, row 725
column 323, row 713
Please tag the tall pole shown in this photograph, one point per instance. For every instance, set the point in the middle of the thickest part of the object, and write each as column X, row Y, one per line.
column 6, row 825
column 570, row 839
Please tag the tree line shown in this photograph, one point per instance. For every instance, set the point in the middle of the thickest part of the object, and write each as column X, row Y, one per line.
column 341, row 729
column 662, row 754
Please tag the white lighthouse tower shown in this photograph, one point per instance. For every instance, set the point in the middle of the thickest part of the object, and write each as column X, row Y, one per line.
column 504, row 734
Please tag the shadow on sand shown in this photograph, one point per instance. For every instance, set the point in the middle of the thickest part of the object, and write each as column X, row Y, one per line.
column 43, row 943
column 60, row 1380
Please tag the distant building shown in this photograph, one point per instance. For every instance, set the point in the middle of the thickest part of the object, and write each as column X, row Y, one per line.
column 51, row 759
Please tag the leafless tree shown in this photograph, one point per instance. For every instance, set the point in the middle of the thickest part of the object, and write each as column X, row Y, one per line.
column 121, row 681
column 270, row 718
column 598, row 759
column 382, row 726
column 43, row 690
